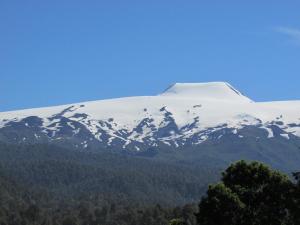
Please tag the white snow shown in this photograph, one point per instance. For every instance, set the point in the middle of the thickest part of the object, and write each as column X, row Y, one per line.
column 285, row 136
column 294, row 130
column 212, row 90
column 209, row 104
column 71, row 125
column 270, row 132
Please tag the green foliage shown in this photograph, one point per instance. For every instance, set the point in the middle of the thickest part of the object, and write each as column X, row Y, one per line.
column 43, row 184
column 177, row 222
column 249, row 194
column 295, row 203
column 69, row 220
column 62, row 175
column 222, row 206
column 46, row 185
column 32, row 214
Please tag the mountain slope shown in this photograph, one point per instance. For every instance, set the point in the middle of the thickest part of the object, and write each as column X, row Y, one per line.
column 183, row 115
column 64, row 175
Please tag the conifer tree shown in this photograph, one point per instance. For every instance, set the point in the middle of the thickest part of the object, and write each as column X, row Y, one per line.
column 248, row 194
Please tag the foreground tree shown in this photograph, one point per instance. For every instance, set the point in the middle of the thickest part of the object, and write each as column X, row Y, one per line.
column 221, row 206
column 295, row 204
column 177, row 222
column 249, row 194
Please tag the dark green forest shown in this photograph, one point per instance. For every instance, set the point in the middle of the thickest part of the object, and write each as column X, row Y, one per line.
column 44, row 184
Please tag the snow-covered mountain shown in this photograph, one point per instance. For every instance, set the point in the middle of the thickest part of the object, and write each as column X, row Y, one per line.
column 184, row 115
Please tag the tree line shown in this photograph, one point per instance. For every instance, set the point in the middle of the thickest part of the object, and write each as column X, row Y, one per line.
column 40, row 187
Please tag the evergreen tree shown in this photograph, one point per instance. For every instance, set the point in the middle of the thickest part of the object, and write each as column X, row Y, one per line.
column 32, row 213
column 249, row 194
column 69, row 220
column 221, row 206
column 295, row 203
column 177, row 222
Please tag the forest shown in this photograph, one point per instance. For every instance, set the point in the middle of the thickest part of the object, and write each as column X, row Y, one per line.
column 43, row 184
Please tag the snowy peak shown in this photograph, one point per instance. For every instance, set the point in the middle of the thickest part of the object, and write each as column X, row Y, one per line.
column 213, row 90
column 186, row 114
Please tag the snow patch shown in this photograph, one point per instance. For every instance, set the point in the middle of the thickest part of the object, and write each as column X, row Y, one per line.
column 270, row 132
column 285, row 136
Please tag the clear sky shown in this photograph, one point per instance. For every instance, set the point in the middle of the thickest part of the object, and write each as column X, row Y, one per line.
column 66, row 51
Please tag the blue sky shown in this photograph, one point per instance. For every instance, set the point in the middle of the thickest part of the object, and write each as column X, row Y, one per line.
column 58, row 52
